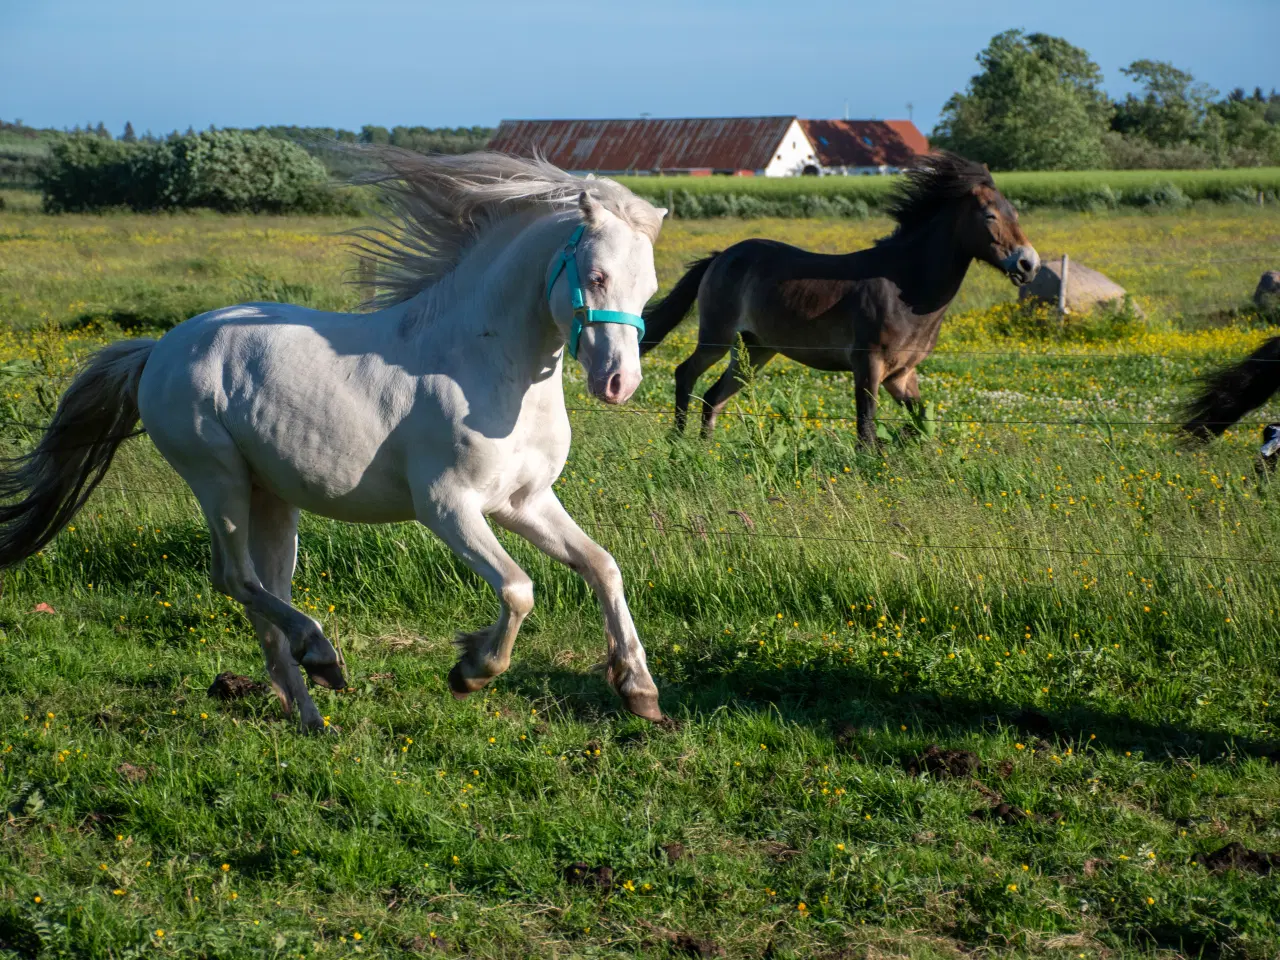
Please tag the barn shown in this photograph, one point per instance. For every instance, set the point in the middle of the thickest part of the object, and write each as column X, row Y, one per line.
column 738, row 146
column 845, row 147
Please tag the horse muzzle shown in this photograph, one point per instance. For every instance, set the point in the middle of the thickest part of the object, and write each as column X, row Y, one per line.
column 1022, row 265
column 614, row 388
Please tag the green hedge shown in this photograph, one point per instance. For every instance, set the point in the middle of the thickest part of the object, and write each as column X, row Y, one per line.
column 221, row 170
column 695, row 197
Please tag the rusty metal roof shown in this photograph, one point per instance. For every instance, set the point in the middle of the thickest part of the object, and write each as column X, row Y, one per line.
column 865, row 143
column 619, row 146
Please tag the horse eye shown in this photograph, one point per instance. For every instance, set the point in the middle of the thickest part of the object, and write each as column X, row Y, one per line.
column 992, row 216
column 597, row 279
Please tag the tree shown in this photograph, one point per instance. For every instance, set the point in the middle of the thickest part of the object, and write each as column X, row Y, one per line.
column 1173, row 108
column 1037, row 104
column 372, row 134
column 129, row 136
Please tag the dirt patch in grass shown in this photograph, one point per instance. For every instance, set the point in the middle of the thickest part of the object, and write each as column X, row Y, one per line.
column 1236, row 856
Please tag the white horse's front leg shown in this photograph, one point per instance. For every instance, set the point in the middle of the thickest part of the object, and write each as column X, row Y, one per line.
column 542, row 521
column 483, row 654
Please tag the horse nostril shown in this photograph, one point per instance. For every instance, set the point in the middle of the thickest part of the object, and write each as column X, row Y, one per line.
column 1025, row 265
column 614, row 387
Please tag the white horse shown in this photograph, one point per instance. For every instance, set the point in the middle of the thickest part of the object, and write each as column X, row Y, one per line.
column 444, row 405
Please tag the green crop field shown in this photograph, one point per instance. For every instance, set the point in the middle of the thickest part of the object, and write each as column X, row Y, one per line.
column 1087, row 190
column 1049, row 586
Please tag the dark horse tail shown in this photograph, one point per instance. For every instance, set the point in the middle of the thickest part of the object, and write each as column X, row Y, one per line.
column 45, row 488
column 1228, row 394
column 665, row 315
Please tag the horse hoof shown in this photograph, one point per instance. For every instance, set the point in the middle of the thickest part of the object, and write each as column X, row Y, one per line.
column 462, row 686
column 644, row 705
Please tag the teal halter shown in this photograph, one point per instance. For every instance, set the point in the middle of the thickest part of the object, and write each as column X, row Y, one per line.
column 582, row 314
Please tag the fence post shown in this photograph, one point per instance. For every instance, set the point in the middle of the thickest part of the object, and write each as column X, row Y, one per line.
column 671, row 205
column 1062, row 291
column 367, row 275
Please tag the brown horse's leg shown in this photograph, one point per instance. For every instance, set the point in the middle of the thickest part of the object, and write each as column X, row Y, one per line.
column 730, row 382
column 868, row 368
column 703, row 359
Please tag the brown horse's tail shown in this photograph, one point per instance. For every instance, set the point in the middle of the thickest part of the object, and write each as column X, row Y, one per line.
column 44, row 489
column 665, row 315
column 1228, row 394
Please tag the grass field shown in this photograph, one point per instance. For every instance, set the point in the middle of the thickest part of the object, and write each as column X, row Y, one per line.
column 1083, row 611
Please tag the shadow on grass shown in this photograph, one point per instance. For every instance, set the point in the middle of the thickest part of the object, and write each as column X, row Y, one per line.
column 838, row 699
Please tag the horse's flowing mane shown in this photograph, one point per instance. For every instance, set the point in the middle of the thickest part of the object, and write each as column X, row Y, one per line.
column 440, row 205
column 937, row 180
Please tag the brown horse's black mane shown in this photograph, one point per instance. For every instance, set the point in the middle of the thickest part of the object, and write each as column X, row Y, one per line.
column 936, row 181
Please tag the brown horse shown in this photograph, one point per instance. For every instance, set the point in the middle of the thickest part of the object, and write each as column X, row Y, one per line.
column 875, row 312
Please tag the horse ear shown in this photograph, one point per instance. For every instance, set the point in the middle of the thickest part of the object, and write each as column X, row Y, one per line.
column 662, row 211
column 590, row 207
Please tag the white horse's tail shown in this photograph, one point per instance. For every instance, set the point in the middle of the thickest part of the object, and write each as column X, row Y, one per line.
column 45, row 488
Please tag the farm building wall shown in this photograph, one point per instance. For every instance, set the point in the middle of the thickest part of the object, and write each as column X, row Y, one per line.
column 793, row 153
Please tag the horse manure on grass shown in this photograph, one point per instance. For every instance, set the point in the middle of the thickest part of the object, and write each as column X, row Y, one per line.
column 1009, row 815
column 133, row 774
column 943, row 763
column 1236, row 856
column 421, row 944
column 779, row 851
column 685, row 943
column 674, row 852
column 847, row 739
column 231, row 686
column 581, row 875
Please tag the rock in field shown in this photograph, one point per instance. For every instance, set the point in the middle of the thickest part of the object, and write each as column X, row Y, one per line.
column 1268, row 293
column 1086, row 288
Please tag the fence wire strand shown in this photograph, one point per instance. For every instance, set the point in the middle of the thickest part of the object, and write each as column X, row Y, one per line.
column 749, row 534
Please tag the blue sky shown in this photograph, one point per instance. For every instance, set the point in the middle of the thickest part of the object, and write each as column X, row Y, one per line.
column 166, row 65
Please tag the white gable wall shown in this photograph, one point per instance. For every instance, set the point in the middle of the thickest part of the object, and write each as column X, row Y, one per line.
column 792, row 154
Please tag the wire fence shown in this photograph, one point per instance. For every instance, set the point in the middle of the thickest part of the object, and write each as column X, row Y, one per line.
column 699, row 528
column 1081, row 357
column 852, row 418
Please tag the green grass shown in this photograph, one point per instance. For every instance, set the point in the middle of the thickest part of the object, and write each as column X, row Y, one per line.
column 1048, row 597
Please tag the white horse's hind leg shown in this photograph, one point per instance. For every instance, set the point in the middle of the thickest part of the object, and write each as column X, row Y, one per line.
column 273, row 546
column 542, row 521
column 483, row 654
column 219, row 478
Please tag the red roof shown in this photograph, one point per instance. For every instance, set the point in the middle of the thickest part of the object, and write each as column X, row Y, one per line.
column 618, row 146
column 865, row 143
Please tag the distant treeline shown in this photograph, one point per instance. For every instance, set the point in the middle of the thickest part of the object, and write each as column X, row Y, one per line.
column 1037, row 103
column 24, row 149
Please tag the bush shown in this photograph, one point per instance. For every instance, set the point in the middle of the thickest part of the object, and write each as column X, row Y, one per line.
column 1088, row 199
column 747, row 204
column 221, row 170
column 86, row 173
column 1162, row 195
